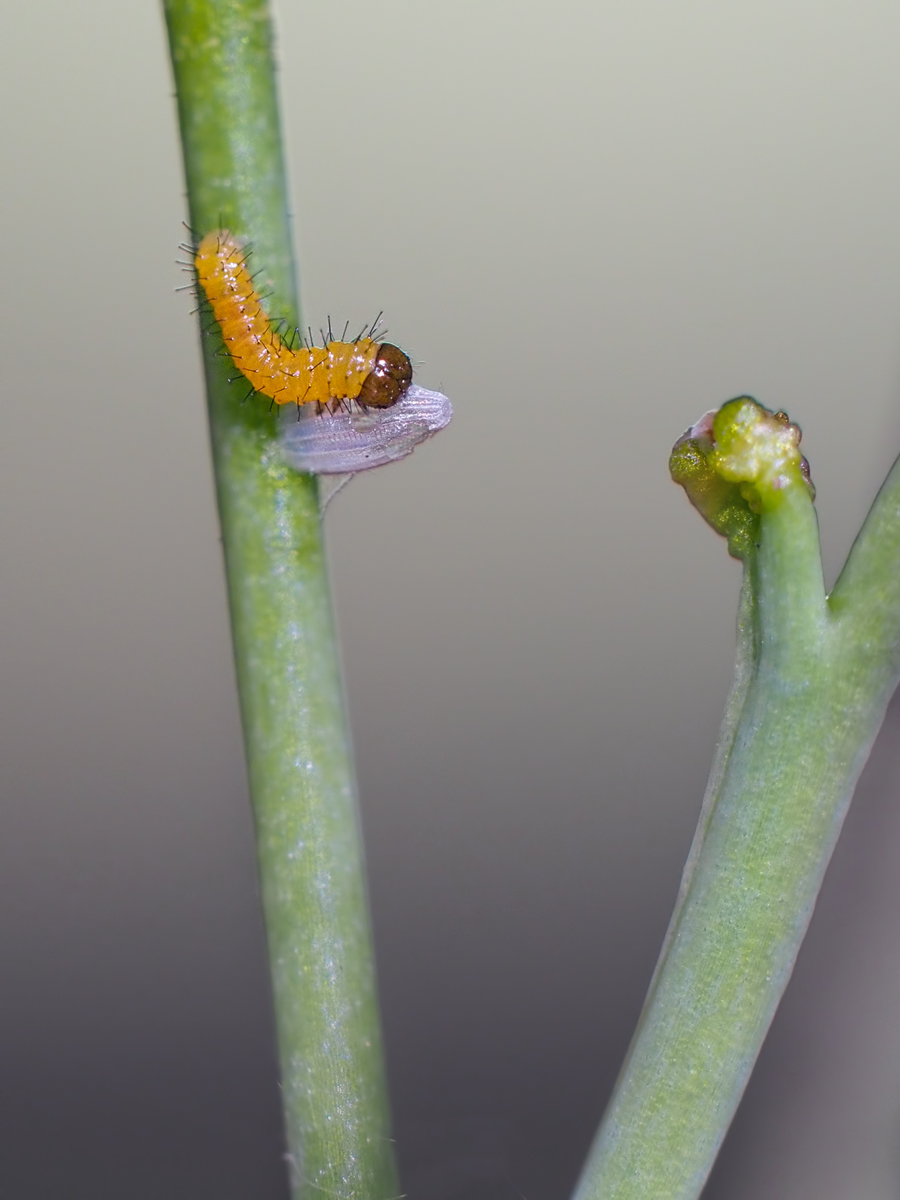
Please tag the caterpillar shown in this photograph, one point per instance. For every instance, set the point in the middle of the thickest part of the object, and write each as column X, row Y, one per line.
column 372, row 374
column 357, row 407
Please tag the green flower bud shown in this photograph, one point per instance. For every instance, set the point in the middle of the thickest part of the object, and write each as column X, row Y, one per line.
column 737, row 463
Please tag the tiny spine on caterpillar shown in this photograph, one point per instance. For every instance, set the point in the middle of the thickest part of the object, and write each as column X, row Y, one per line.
column 371, row 374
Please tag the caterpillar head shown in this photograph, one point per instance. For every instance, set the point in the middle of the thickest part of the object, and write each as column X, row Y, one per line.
column 388, row 379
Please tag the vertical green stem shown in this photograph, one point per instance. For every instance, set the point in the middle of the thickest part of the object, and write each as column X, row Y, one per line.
column 301, row 777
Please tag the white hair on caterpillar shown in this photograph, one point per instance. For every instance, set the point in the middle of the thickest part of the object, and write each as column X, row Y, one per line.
column 342, row 443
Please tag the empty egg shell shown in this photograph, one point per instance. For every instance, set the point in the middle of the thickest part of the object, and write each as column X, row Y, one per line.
column 343, row 443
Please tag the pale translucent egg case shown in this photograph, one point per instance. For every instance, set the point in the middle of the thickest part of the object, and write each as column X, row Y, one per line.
column 343, row 443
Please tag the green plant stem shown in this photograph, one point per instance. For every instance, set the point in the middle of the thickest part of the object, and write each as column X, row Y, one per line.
column 811, row 687
column 299, row 763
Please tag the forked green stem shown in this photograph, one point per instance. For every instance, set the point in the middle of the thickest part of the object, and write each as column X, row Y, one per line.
column 301, row 776
column 812, row 683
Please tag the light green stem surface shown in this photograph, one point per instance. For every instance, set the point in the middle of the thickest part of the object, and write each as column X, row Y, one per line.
column 301, row 776
column 811, row 687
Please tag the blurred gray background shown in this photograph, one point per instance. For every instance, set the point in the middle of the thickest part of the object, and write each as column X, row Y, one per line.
column 588, row 223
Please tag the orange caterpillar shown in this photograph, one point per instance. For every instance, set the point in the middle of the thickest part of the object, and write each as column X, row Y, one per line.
column 375, row 376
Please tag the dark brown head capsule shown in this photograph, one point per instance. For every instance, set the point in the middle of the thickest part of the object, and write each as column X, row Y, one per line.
column 388, row 379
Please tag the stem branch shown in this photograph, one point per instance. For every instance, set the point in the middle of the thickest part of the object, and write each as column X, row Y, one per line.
column 804, row 709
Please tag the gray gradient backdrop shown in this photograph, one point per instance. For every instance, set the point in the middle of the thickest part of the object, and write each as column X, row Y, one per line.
column 588, row 223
